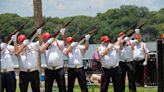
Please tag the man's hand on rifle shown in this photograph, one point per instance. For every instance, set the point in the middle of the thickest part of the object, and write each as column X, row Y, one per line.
column 137, row 31
column 74, row 44
column 39, row 31
column 110, row 46
column 87, row 37
column 126, row 39
column 26, row 42
column 51, row 40
column 62, row 31
column 14, row 37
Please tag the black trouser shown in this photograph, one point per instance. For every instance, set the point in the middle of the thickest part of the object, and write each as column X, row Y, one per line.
column 8, row 81
column 26, row 77
column 80, row 74
column 139, row 72
column 115, row 73
column 50, row 75
column 128, row 67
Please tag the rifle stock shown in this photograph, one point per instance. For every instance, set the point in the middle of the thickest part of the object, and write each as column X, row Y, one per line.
column 17, row 30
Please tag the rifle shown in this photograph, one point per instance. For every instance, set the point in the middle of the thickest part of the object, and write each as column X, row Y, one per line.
column 17, row 30
column 138, row 27
column 33, row 33
column 31, row 36
column 125, row 32
column 90, row 32
column 65, row 25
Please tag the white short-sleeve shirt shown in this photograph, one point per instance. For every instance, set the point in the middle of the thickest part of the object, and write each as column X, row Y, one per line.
column 111, row 59
column 76, row 57
column 7, row 60
column 55, row 55
column 127, row 51
column 29, row 57
column 139, row 51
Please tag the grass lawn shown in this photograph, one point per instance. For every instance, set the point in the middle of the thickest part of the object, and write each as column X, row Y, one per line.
column 95, row 88
column 110, row 89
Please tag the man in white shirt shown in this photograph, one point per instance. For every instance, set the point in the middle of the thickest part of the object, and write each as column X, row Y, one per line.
column 127, row 64
column 140, row 55
column 75, row 53
column 109, row 54
column 55, row 61
column 27, row 54
column 7, row 74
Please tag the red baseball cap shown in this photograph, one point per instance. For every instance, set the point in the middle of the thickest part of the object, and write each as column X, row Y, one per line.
column 69, row 39
column 21, row 38
column 121, row 33
column 137, row 36
column 46, row 35
column 105, row 38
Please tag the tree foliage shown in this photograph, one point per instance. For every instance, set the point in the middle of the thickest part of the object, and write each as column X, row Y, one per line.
column 109, row 23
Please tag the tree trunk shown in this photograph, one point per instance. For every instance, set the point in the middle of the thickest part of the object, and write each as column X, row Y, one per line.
column 38, row 21
column 37, row 12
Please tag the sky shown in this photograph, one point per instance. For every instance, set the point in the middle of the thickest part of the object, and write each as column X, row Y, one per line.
column 67, row 8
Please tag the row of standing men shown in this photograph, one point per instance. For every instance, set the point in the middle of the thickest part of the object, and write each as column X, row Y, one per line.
column 116, row 59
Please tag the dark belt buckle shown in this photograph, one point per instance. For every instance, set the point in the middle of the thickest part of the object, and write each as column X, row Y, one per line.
column 54, row 67
column 28, row 70
column 4, row 70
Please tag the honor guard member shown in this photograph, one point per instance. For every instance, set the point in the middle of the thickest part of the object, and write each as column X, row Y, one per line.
column 7, row 74
column 55, row 62
column 140, row 56
column 127, row 64
column 75, row 53
column 109, row 54
column 27, row 54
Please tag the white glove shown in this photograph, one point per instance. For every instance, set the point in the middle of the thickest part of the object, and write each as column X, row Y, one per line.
column 62, row 31
column 26, row 42
column 74, row 44
column 50, row 40
column 39, row 31
column 137, row 31
column 14, row 37
column 3, row 46
column 126, row 39
column 119, row 39
column 135, row 41
column 87, row 37
column 144, row 63
column 110, row 46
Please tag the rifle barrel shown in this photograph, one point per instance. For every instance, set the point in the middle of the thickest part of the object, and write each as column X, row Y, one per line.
column 29, row 37
column 17, row 30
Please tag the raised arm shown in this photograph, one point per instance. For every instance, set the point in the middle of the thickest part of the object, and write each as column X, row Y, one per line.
column 106, row 50
column 70, row 47
column 47, row 44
